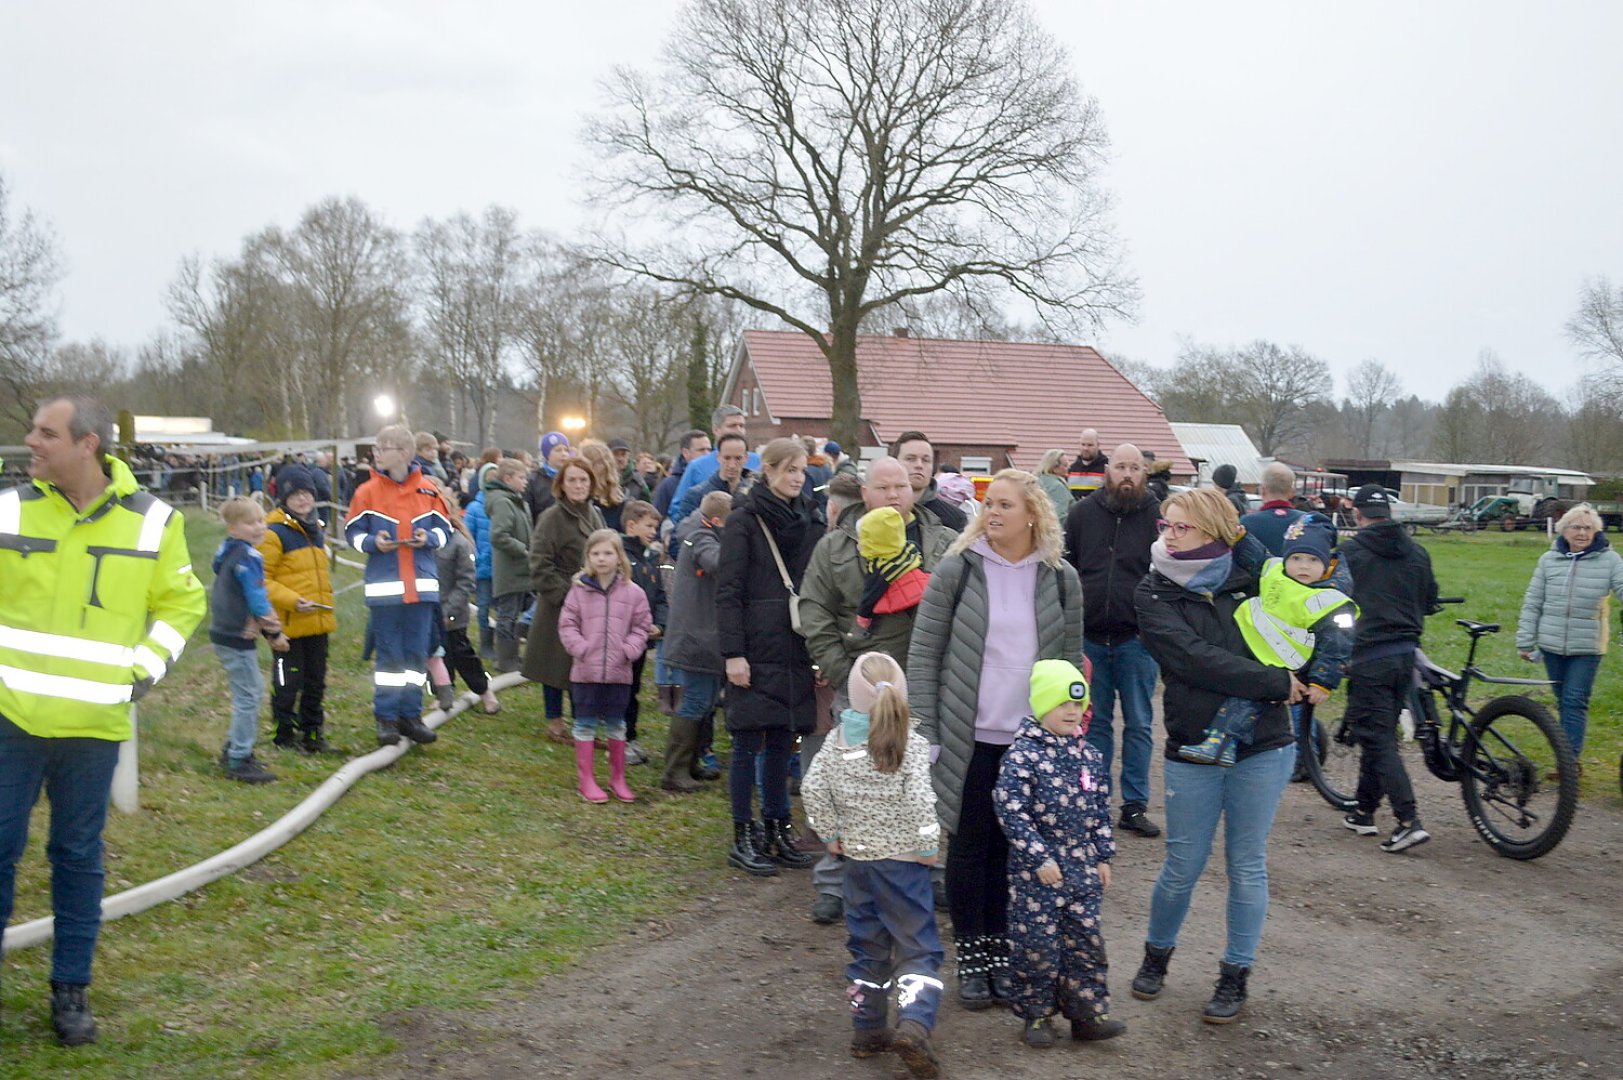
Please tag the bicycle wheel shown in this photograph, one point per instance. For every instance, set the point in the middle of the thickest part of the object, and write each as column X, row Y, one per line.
column 1326, row 746
column 1518, row 778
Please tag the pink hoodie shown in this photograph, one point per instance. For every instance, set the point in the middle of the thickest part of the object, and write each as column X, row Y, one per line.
column 604, row 631
column 1011, row 644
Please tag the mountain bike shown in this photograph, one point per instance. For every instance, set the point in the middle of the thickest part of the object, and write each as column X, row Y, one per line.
column 1511, row 759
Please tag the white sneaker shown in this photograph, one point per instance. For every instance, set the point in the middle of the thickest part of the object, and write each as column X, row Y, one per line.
column 1405, row 837
column 635, row 755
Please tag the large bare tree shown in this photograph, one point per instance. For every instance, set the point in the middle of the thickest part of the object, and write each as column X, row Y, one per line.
column 1371, row 389
column 1597, row 329
column 30, row 268
column 1276, row 391
column 818, row 160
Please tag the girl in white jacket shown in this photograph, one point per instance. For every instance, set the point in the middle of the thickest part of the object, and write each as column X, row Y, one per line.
column 869, row 797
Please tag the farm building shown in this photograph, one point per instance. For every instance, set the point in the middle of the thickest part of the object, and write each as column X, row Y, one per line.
column 986, row 405
column 1451, row 484
column 1211, row 445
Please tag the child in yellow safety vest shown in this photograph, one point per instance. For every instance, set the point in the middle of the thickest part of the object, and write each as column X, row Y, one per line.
column 1301, row 618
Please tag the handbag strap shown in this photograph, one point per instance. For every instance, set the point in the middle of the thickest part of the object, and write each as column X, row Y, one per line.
column 776, row 557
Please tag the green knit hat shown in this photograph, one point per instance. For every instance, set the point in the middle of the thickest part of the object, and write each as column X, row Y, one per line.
column 1053, row 683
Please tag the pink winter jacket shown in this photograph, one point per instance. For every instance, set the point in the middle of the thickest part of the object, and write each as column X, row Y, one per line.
column 604, row 631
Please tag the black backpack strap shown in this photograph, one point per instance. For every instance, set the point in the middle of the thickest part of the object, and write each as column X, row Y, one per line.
column 958, row 590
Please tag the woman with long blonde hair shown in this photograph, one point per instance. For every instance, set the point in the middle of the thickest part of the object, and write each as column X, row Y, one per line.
column 1002, row 599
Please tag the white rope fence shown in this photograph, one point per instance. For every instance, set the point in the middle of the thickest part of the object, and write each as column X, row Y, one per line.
column 256, row 847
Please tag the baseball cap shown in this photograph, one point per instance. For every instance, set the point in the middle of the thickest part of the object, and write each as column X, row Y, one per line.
column 1373, row 501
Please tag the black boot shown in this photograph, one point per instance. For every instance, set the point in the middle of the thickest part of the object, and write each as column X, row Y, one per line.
column 388, row 732
column 999, row 974
column 70, row 1015
column 974, row 975
column 413, row 728
column 780, row 846
column 1151, row 973
column 286, row 735
column 1228, row 997
column 315, row 742
column 746, row 853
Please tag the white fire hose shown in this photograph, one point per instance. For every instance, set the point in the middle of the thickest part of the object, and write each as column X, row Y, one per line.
column 257, row 846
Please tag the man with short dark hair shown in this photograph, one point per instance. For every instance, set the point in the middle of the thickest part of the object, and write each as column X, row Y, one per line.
column 98, row 600
column 726, row 420
column 1395, row 591
column 695, row 444
column 731, row 475
column 1107, row 538
column 917, row 455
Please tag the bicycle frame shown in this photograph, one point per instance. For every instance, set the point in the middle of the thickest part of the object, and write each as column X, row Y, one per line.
column 1445, row 756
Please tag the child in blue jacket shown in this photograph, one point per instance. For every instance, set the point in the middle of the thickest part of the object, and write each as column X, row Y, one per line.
column 239, row 613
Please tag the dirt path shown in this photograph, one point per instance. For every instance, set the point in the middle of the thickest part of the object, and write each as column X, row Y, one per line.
column 1448, row 961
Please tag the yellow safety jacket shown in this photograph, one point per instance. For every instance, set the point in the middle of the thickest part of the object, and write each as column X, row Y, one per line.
column 1277, row 622
column 92, row 603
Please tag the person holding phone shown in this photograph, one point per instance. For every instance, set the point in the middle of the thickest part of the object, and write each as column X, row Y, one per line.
column 300, row 586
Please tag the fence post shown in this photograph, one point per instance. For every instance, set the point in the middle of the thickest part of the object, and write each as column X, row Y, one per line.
column 127, row 773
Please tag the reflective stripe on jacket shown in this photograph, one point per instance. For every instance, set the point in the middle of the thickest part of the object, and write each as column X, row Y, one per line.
column 92, row 603
column 384, row 506
column 1277, row 622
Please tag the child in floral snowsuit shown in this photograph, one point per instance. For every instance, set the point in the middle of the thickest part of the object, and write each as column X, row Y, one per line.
column 1053, row 800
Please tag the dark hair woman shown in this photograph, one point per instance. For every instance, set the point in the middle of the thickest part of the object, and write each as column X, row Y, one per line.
column 770, row 697
column 557, row 552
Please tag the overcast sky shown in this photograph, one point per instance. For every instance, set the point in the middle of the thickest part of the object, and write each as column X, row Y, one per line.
column 1407, row 181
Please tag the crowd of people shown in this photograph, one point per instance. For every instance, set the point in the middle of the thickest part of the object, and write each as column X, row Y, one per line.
column 937, row 675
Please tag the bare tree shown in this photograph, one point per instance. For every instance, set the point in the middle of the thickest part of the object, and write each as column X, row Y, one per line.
column 470, row 304
column 649, row 373
column 1276, row 391
column 1371, row 388
column 30, row 268
column 1597, row 328
column 851, row 154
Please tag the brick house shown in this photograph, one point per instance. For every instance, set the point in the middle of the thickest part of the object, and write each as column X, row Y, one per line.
column 1005, row 403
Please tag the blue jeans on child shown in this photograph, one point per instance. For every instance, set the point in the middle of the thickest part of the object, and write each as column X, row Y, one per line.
column 247, row 688
column 614, row 727
column 1245, row 797
column 77, row 776
column 483, row 600
column 892, row 936
column 1574, row 678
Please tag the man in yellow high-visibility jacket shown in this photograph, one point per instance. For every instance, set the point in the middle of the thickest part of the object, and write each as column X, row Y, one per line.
column 97, row 598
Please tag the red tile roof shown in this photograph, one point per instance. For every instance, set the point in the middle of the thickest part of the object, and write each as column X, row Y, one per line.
column 1032, row 397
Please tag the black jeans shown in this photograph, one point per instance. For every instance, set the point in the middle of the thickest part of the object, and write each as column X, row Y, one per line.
column 773, row 747
column 978, row 855
column 1376, row 693
column 299, row 679
column 460, row 658
column 633, row 708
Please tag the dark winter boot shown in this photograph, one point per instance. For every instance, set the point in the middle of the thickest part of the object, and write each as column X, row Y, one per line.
column 507, row 658
column 70, row 1015
column 974, row 974
column 912, row 1044
column 388, row 732
column 1228, row 997
column 681, row 748
column 781, row 847
column 413, row 728
column 286, row 736
column 746, row 852
column 1151, row 973
column 870, row 1016
column 1096, row 1029
column 315, row 742
column 999, row 974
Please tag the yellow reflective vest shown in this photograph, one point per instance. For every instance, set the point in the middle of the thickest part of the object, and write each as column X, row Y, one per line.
column 91, row 603
column 1277, row 621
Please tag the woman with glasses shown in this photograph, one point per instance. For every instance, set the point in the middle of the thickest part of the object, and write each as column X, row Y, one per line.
column 1002, row 599
column 1202, row 568
column 1566, row 615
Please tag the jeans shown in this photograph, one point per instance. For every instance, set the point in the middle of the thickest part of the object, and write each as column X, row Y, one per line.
column 1245, row 796
column 892, row 935
column 774, row 746
column 1574, row 678
column 1377, row 691
column 401, row 634
column 483, row 601
column 1127, row 670
column 699, row 690
column 508, row 607
column 586, row 727
column 77, row 775
column 247, row 687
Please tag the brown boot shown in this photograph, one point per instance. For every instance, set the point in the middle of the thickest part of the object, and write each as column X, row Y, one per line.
column 558, row 731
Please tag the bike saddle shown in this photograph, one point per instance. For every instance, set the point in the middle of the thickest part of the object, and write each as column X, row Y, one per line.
column 1476, row 629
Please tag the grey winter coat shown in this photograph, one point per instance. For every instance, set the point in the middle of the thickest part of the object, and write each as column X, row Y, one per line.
column 944, row 660
column 832, row 589
column 455, row 561
column 509, row 538
column 690, row 628
column 1567, row 608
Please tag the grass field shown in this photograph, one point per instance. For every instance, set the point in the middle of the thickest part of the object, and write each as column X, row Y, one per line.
column 457, row 876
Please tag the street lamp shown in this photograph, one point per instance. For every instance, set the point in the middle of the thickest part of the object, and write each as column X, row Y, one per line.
column 383, row 405
column 572, row 423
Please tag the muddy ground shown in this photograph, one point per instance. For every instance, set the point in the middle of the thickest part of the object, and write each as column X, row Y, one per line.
column 1446, row 961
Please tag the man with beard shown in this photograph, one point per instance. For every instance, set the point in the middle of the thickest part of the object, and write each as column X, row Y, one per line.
column 1107, row 538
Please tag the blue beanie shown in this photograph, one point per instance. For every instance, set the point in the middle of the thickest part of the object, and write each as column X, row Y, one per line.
column 293, row 478
column 831, row 448
column 1312, row 535
column 551, row 440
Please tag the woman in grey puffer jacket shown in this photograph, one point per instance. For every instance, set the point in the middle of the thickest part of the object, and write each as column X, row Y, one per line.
column 1001, row 600
column 1566, row 613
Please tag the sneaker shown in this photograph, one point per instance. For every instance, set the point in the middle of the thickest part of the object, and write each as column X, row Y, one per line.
column 1039, row 1033
column 1134, row 820
column 827, row 908
column 249, row 771
column 1362, row 824
column 1405, row 837
column 635, row 755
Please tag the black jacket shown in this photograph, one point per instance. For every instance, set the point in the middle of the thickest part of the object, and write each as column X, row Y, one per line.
column 752, row 620
column 1111, row 553
column 1204, row 658
column 645, row 572
column 1393, row 586
column 948, row 514
column 538, row 493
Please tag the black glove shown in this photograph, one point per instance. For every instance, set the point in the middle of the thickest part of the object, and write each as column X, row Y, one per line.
column 139, row 688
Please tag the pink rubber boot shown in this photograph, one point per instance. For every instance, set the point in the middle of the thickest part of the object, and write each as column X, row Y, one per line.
column 617, row 771
column 585, row 759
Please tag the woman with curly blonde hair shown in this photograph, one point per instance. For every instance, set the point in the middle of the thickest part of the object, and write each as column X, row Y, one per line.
column 1002, row 599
